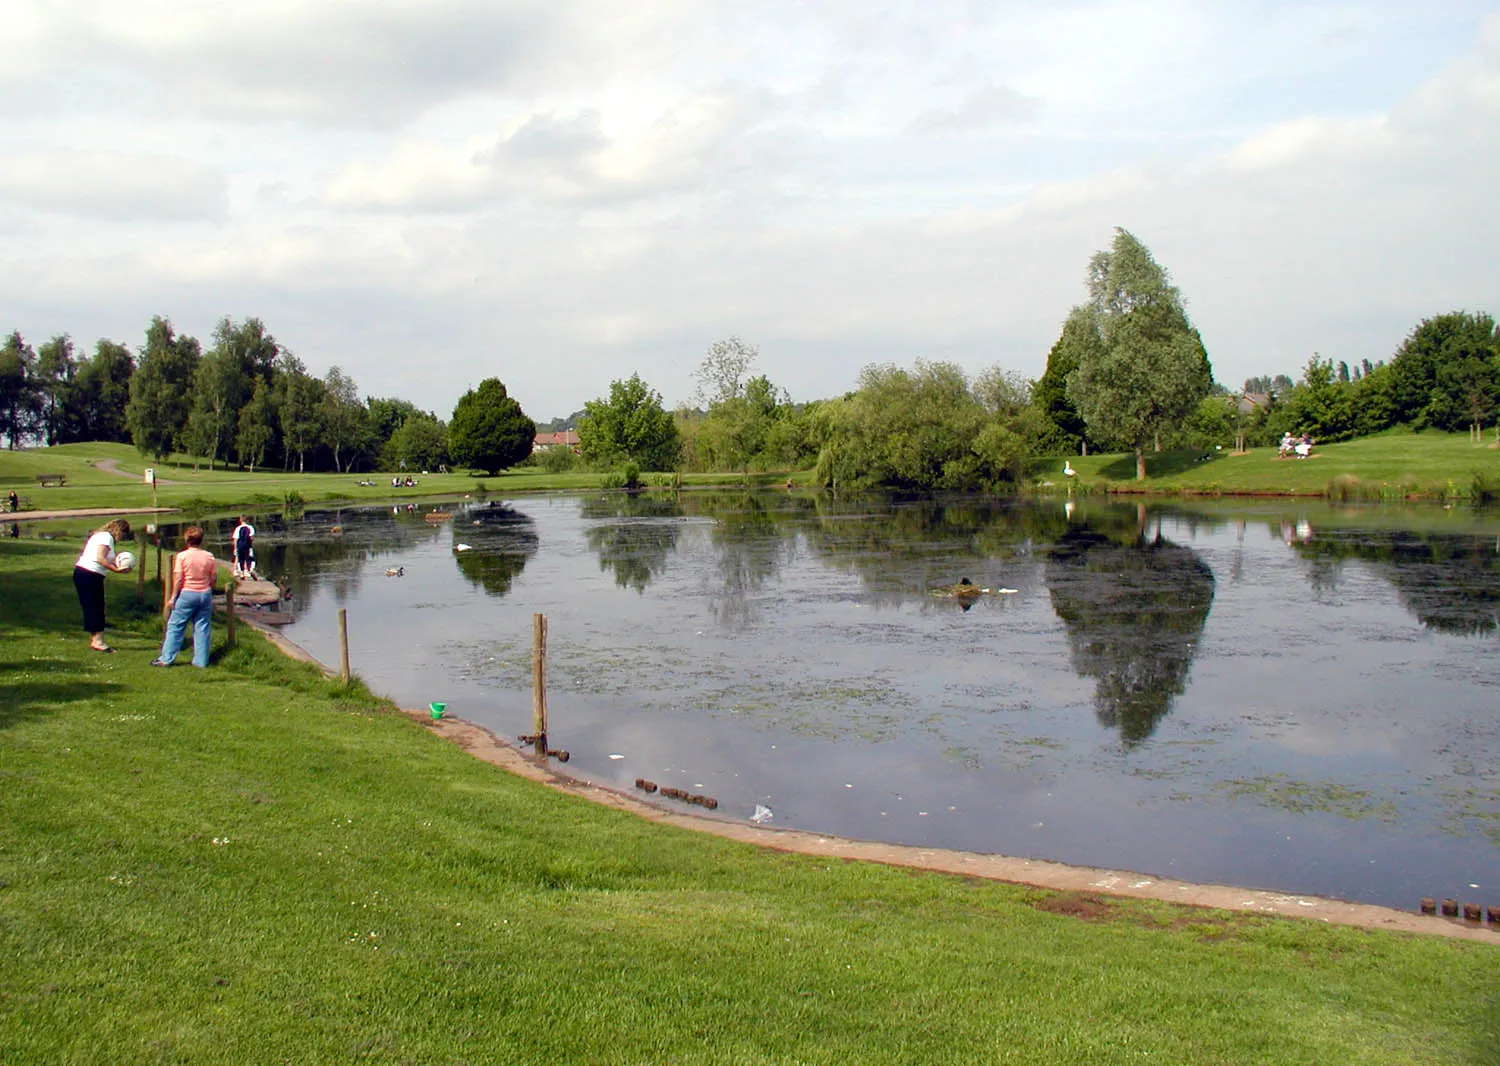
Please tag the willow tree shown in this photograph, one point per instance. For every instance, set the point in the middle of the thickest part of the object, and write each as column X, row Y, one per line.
column 1141, row 364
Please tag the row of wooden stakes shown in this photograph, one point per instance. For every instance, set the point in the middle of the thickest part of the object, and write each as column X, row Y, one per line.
column 677, row 794
column 1472, row 911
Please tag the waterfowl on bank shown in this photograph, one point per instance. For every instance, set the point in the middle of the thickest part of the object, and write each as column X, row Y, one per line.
column 463, row 547
column 1068, row 470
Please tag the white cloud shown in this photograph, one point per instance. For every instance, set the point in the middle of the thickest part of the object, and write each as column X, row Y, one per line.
column 565, row 193
column 114, row 186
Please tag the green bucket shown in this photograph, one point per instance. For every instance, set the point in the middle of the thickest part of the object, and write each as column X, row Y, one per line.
column 437, row 710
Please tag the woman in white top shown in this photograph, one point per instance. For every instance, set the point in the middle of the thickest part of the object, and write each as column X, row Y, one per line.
column 98, row 559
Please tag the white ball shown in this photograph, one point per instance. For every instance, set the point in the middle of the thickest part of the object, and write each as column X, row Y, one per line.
column 125, row 559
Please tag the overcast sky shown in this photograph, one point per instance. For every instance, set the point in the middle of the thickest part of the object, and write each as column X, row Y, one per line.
column 564, row 192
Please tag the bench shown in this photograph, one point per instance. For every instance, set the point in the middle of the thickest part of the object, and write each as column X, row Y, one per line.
column 52, row 479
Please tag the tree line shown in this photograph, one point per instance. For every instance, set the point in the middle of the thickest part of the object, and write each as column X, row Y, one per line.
column 1128, row 372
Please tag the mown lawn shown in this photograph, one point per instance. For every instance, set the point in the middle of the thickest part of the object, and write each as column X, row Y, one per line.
column 250, row 865
column 1392, row 465
column 201, row 489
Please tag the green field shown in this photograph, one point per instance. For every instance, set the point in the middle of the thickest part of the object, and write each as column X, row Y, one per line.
column 91, row 484
column 252, row 865
column 1395, row 465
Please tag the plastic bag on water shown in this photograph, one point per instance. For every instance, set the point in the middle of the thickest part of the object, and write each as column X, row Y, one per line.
column 762, row 814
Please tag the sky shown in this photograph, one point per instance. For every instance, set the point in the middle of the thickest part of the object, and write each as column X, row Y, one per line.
column 562, row 193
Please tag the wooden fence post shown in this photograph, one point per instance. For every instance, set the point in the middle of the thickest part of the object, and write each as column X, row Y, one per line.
column 344, row 645
column 166, row 585
column 229, row 610
column 539, row 682
column 140, row 579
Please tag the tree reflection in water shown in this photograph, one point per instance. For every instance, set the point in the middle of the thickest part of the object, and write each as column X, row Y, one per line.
column 634, row 535
column 501, row 541
column 1134, row 607
column 1451, row 583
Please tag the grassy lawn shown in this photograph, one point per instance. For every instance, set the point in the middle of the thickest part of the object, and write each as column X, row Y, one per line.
column 1394, row 465
column 203, row 490
column 250, row 865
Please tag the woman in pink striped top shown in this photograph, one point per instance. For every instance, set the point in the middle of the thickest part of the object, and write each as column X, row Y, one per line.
column 193, row 574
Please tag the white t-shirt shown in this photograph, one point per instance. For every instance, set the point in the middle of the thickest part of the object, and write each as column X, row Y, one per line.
column 89, row 560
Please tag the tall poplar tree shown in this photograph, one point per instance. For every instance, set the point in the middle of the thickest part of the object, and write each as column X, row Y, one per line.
column 160, row 389
column 1142, row 365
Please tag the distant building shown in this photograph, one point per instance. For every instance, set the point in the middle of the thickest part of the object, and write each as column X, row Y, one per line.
column 1250, row 402
column 567, row 438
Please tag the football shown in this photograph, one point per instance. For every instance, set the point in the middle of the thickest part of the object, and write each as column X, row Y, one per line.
column 125, row 559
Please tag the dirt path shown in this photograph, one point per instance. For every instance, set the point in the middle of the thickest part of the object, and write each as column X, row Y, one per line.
column 84, row 512
column 1082, row 882
column 112, row 466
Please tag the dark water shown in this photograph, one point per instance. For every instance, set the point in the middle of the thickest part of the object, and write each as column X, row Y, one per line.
column 1276, row 696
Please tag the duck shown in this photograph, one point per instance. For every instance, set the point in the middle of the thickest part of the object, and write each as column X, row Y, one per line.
column 395, row 571
column 463, row 547
column 1068, row 470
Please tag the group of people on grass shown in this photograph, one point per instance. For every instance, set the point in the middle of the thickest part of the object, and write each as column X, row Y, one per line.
column 194, row 571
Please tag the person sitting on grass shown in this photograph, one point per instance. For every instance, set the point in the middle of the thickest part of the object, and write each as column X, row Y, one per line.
column 98, row 559
column 193, row 573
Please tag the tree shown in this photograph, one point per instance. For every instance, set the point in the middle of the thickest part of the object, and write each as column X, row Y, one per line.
column 18, row 399
column 298, row 402
column 219, row 384
column 1063, row 428
column 55, row 369
column 100, row 394
column 342, row 416
column 911, row 430
column 1144, row 367
column 1436, row 342
column 161, row 389
column 421, row 443
column 630, row 425
column 721, row 375
column 256, row 426
column 489, row 430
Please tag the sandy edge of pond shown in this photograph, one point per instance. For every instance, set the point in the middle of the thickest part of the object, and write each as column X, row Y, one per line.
column 1081, row 881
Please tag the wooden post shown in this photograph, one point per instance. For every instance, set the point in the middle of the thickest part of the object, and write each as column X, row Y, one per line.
column 166, row 585
column 344, row 645
column 140, row 579
column 229, row 610
column 539, row 682
column 158, row 557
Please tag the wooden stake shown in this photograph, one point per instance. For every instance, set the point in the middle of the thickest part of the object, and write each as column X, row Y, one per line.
column 229, row 610
column 140, row 579
column 539, row 682
column 166, row 585
column 344, row 645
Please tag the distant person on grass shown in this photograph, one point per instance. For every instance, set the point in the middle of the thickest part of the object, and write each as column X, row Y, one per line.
column 13, row 501
column 193, row 573
column 98, row 559
column 242, row 541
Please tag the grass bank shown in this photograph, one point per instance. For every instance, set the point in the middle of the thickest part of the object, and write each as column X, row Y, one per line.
column 1396, row 465
column 97, row 477
column 250, row 865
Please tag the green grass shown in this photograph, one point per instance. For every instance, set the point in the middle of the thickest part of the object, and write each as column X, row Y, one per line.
column 249, row 865
column 203, row 491
column 1395, row 465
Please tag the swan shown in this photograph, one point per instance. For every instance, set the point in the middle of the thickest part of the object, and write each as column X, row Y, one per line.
column 1068, row 470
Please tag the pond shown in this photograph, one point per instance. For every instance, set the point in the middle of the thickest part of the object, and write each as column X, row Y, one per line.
column 1275, row 695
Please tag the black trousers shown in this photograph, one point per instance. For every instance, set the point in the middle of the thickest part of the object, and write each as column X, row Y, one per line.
column 90, row 588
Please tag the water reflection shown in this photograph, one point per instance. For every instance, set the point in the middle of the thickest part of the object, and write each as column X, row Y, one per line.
column 492, row 544
column 634, row 534
column 1450, row 583
column 1134, row 605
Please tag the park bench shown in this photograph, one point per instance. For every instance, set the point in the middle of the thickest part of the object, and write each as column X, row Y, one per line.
column 52, row 479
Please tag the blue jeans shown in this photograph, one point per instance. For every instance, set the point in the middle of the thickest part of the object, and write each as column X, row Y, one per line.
column 197, row 608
